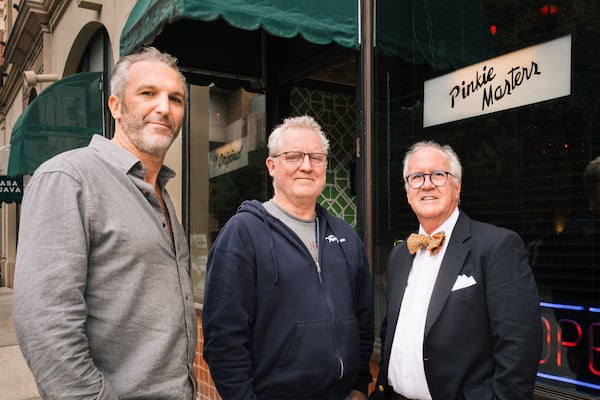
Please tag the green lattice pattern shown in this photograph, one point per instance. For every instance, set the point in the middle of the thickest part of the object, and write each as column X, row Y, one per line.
column 336, row 114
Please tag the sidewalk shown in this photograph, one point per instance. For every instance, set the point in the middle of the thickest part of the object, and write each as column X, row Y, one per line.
column 16, row 381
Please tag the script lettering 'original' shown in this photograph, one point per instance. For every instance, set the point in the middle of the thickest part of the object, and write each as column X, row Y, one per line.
column 229, row 157
column 225, row 159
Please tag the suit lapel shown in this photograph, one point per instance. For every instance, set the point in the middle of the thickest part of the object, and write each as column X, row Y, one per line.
column 452, row 264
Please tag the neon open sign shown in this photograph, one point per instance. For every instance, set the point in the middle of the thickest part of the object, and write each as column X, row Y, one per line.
column 571, row 351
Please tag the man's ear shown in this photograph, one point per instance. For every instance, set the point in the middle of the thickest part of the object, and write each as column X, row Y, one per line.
column 114, row 105
column 270, row 165
column 458, row 189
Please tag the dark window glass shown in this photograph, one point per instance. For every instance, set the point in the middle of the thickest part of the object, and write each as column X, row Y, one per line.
column 523, row 168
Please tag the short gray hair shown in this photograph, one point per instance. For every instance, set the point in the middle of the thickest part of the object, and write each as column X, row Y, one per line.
column 304, row 121
column 120, row 73
column 455, row 166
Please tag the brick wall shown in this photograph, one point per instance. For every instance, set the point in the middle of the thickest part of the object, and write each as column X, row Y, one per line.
column 205, row 387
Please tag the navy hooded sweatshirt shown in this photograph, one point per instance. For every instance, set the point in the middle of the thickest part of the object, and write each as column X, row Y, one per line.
column 274, row 326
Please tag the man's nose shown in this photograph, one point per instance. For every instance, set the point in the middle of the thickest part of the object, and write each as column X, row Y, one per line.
column 427, row 181
column 306, row 163
column 162, row 103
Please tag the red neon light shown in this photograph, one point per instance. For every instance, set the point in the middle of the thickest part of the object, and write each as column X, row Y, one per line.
column 581, row 336
column 594, row 350
column 577, row 327
column 566, row 343
column 493, row 29
column 548, row 9
column 548, row 329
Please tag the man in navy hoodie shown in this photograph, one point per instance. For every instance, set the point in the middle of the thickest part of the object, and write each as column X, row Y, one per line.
column 288, row 308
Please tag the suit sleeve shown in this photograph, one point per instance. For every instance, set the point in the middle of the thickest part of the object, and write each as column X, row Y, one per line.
column 392, row 267
column 513, row 305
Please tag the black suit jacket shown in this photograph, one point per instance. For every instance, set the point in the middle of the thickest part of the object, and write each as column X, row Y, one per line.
column 483, row 341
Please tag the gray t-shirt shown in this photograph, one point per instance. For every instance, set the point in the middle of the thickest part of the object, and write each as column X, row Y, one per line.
column 306, row 229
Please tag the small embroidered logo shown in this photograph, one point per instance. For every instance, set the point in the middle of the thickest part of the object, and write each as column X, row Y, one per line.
column 334, row 239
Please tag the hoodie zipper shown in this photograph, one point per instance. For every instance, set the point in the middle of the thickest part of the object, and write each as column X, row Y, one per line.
column 342, row 369
column 317, row 263
column 319, row 273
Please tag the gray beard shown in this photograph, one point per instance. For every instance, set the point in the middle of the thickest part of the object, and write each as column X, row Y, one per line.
column 156, row 145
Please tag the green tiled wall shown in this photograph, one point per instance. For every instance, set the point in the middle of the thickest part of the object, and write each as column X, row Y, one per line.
column 336, row 114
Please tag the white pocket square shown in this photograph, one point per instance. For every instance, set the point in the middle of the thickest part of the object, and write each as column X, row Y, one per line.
column 463, row 281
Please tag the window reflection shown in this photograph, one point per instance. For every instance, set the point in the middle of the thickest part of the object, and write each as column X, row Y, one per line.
column 228, row 126
column 523, row 168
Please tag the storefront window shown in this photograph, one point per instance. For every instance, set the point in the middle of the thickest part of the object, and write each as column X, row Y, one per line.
column 524, row 167
column 228, row 127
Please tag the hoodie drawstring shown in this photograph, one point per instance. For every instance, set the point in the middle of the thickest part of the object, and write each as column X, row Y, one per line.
column 272, row 248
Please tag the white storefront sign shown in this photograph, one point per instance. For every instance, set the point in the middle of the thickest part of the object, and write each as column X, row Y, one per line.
column 526, row 76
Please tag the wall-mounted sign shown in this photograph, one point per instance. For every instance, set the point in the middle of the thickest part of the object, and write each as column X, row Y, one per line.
column 11, row 189
column 228, row 157
column 526, row 76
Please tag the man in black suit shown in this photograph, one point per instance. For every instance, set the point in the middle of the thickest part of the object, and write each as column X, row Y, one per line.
column 463, row 319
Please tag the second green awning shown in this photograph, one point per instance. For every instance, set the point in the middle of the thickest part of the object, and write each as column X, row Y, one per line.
column 63, row 116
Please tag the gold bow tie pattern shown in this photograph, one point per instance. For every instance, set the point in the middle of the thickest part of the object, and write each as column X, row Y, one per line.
column 432, row 243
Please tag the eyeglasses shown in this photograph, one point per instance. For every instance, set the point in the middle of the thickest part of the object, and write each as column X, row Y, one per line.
column 297, row 157
column 437, row 178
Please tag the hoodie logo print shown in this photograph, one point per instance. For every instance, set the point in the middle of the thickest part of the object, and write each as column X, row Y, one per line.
column 334, row 239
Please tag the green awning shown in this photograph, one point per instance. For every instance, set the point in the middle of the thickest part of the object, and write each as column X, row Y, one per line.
column 63, row 116
column 317, row 21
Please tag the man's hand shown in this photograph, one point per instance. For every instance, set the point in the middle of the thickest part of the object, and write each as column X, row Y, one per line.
column 357, row 395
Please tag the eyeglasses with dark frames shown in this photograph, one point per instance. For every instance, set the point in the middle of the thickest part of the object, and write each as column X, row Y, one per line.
column 437, row 178
column 297, row 157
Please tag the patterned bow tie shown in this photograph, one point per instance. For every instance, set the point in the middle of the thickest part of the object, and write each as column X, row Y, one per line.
column 432, row 243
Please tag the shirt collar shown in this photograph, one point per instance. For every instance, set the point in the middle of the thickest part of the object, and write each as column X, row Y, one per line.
column 447, row 226
column 124, row 160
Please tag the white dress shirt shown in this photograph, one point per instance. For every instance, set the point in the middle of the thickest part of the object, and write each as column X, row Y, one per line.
column 406, row 372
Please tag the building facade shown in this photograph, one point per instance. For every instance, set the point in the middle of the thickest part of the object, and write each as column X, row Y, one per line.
column 510, row 86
